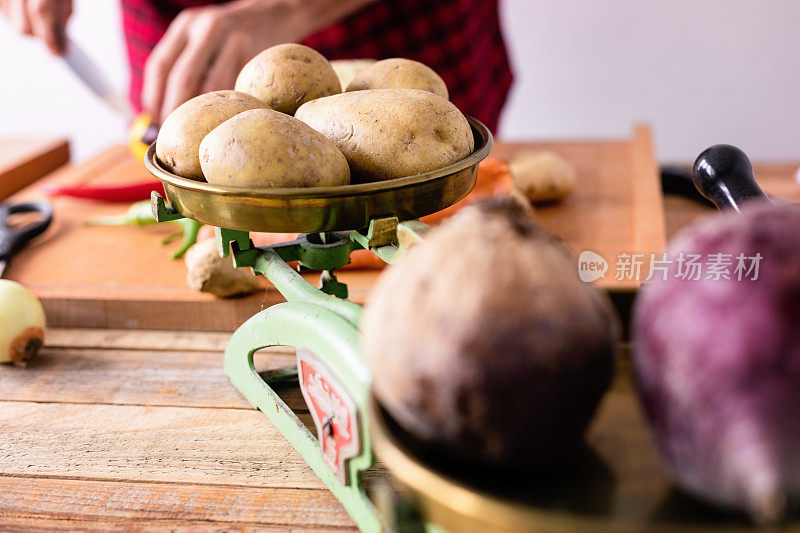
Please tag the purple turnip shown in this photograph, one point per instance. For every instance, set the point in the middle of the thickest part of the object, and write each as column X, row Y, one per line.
column 717, row 361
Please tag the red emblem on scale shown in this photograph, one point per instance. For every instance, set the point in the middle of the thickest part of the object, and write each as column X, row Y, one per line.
column 333, row 411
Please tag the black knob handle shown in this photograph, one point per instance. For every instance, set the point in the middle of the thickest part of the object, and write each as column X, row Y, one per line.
column 724, row 175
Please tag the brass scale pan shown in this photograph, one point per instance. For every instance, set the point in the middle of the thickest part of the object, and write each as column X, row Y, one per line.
column 318, row 209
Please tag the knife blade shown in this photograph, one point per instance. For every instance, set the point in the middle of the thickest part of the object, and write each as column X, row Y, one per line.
column 95, row 80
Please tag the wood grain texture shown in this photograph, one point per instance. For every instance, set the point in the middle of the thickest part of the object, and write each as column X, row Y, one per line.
column 44, row 524
column 130, row 339
column 140, row 377
column 123, row 278
column 23, row 161
column 165, row 505
column 157, row 444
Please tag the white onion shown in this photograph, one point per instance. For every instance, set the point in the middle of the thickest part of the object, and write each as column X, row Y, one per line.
column 22, row 323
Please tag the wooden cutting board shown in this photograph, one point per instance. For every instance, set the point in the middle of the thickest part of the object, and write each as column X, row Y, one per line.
column 122, row 277
column 23, row 161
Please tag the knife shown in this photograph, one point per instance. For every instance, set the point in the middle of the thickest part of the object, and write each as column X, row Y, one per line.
column 94, row 79
column 141, row 130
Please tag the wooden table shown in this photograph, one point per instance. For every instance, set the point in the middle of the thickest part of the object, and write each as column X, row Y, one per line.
column 110, row 430
column 140, row 430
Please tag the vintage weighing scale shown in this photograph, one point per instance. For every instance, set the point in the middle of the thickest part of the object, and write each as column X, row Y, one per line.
column 322, row 325
column 319, row 322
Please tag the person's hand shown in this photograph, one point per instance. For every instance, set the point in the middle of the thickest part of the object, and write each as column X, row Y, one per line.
column 45, row 19
column 205, row 48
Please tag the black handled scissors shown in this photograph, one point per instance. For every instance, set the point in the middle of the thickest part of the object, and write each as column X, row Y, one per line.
column 12, row 238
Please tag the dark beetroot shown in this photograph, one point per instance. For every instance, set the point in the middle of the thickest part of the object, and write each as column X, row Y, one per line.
column 484, row 344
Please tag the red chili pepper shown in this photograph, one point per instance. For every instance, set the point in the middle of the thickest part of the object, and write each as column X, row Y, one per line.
column 109, row 193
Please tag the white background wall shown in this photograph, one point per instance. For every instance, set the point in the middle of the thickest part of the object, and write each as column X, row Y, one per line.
column 700, row 71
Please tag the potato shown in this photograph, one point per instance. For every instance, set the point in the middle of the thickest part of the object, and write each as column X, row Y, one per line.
column 347, row 69
column 391, row 133
column 399, row 73
column 543, row 176
column 180, row 135
column 267, row 148
column 287, row 75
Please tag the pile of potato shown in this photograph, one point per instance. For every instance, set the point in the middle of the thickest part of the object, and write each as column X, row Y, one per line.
column 288, row 124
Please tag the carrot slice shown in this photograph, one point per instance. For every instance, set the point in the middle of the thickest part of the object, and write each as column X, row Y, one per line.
column 494, row 180
column 363, row 260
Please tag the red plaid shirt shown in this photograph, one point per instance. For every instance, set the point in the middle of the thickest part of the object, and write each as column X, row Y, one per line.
column 459, row 39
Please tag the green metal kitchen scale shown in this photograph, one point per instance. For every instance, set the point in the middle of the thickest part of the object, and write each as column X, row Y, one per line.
column 319, row 322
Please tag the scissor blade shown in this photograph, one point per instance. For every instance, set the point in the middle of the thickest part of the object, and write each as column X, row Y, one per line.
column 91, row 75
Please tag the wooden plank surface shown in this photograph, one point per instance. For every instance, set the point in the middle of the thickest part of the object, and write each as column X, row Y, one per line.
column 23, row 161
column 142, row 434
column 137, row 340
column 123, row 278
column 141, row 377
column 111, row 375
column 144, row 443
column 167, row 504
column 39, row 524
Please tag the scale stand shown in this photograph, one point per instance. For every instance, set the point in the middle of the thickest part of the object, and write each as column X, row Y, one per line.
column 322, row 325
